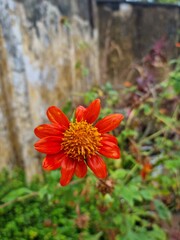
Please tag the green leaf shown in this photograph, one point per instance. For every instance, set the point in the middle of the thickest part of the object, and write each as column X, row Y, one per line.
column 108, row 199
column 162, row 210
column 173, row 164
column 118, row 219
column 146, row 108
column 142, row 233
column 97, row 236
column 128, row 133
column 119, row 173
column 132, row 235
column 43, row 191
column 157, row 233
column 15, row 194
column 147, row 194
column 131, row 193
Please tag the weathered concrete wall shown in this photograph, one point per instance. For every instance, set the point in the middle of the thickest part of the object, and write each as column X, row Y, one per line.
column 46, row 59
column 127, row 31
column 67, row 8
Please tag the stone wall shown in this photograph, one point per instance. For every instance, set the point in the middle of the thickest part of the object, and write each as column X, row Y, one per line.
column 46, row 58
column 127, row 31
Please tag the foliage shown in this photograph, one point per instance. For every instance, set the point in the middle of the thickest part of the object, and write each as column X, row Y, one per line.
column 167, row 1
column 175, row 75
column 128, row 205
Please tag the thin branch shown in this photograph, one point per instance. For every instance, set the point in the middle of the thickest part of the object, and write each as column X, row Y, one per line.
column 19, row 199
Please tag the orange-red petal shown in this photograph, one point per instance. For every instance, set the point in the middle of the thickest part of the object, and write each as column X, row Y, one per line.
column 52, row 162
column 79, row 115
column 49, row 145
column 81, row 169
column 147, row 167
column 97, row 165
column 109, row 122
column 108, row 138
column 67, row 171
column 92, row 111
column 110, row 150
column 55, row 115
column 46, row 130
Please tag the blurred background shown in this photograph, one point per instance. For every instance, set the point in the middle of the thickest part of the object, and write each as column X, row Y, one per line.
column 65, row 53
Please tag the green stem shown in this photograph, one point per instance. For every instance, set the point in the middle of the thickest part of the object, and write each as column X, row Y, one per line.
column 19, row 199
column 154, row 135
column 131, row 173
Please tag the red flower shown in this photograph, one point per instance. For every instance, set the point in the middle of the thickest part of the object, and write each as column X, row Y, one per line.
column 147, row 167
column 75, row 145
column 178, row 44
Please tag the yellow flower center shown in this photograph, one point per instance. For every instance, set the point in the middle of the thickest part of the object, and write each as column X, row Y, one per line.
column 81, row 140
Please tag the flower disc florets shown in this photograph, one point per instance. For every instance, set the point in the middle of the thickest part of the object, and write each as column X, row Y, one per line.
column 81, row 140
